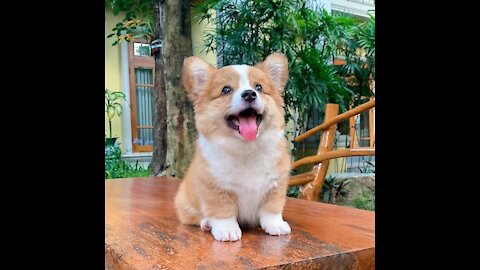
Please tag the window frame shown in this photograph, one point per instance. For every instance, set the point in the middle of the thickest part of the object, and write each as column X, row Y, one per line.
column 135, row 61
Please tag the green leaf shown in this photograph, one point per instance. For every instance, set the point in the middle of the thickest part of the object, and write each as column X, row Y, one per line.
column 118, row 108
column 119, row 95
column 110, row 112
column 326, row 196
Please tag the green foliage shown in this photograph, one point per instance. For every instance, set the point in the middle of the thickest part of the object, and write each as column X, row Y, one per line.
column 368, row 168
column 313, row 83
column 293, row 191
column 113, row 106
column 248, row 31
column 112, row 103
column 332, row 188
column 366, row 201
column 112, row 160
column 115, row 167
column 138, row 20
column 358, row 49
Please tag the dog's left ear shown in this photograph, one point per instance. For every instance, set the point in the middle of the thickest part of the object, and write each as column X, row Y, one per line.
column 276, row 67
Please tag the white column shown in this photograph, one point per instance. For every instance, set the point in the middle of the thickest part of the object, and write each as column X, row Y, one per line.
column 126, row 120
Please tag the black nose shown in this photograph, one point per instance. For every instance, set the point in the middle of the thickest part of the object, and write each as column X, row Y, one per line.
column 249, row 95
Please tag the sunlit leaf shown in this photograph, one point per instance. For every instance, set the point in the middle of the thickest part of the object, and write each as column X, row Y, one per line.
column 110, row 112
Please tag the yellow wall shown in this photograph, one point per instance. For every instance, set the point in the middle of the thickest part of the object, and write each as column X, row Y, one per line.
column 113, row 61
column 112, row 70
column 197, row 40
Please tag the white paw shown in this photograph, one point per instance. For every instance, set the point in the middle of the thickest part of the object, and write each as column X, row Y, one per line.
column 279, row 228
column 274, row 224
column 224, row 229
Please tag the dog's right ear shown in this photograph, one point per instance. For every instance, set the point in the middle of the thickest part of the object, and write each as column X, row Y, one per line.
column 195, row 75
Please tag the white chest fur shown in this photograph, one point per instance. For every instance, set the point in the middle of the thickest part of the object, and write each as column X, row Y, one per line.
column 248, row 169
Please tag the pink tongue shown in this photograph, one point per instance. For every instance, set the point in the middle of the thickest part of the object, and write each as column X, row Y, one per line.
column 248, row 127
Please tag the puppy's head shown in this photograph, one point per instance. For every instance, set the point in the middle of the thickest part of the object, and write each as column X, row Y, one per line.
column 237, row 100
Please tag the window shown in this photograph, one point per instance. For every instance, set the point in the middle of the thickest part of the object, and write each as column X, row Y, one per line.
column 141, row 71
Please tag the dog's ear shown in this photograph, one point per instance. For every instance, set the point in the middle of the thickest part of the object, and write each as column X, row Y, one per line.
column 276, row 67
column 195, row 75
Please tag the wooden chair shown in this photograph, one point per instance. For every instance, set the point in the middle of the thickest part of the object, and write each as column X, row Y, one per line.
column 313, row 180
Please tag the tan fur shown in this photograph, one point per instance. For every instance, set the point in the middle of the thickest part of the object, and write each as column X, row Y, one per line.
column 199, row 194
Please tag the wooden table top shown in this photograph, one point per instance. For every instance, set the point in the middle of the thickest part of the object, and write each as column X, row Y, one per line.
column 142, row 232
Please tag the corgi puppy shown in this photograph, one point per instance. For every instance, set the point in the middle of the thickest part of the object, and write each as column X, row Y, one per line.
column 241, row 165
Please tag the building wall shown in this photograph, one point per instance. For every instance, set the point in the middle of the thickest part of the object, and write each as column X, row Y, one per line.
column 112, row 69
column 197, row 40
column 361, row 8
column 113, row 72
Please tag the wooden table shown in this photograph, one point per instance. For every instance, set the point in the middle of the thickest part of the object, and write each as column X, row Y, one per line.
column 142, row 232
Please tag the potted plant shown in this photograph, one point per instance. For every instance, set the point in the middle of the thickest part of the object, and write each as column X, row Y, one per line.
column 113, row 107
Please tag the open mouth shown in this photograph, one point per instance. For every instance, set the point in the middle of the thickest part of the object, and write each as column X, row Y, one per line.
column 246, row 122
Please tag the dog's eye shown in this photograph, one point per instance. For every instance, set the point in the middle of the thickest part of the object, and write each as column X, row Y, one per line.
column 258, row 87
column 226, row 90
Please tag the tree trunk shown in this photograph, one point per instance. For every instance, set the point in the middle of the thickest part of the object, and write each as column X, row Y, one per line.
column 160, row 107
column 181, row 133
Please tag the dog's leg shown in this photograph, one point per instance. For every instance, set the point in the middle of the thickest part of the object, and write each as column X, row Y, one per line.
column 270, row 213
column 220, row 212
column 187, row 210
column 224, row 229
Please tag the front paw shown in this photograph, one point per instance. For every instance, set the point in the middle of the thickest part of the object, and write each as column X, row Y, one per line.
column 274, row 224
column 225, row 229
column 277, row 228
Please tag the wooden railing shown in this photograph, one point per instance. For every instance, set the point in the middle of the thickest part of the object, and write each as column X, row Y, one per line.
column 313, row 180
